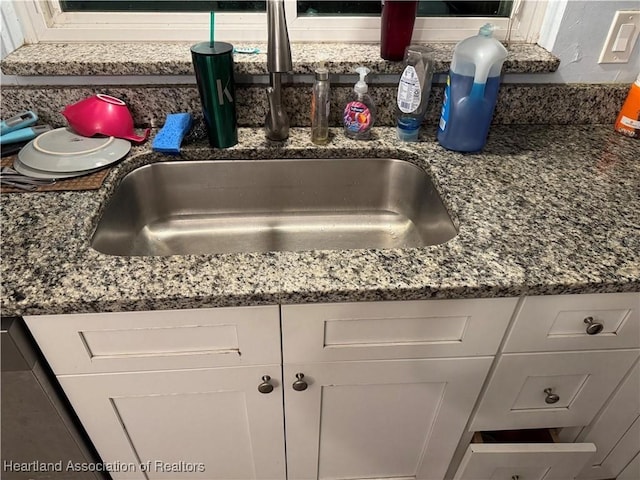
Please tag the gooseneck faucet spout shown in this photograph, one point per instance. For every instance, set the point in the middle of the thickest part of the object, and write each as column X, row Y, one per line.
column 278, row 62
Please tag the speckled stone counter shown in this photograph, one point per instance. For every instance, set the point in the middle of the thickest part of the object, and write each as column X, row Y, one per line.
column 517, row 104
column 174, row 58
column 70, row 64
column 543, row 210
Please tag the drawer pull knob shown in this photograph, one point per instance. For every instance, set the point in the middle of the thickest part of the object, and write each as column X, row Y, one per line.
column 515, row 477
column 299, row 385
column 551, row 397
column 265, row 386
column 593, row 327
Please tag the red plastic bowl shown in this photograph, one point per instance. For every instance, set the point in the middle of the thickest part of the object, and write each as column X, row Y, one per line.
column 104, row 115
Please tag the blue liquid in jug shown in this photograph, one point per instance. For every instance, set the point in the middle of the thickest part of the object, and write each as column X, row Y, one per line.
column 467, row 112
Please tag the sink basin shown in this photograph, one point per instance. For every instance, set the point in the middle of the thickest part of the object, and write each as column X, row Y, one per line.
column 223, row 206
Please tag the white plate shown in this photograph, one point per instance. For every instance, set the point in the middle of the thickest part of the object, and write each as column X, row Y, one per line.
column 32, row 172
column 63, row 151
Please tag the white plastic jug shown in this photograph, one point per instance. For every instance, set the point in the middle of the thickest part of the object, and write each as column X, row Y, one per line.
column 471, row 92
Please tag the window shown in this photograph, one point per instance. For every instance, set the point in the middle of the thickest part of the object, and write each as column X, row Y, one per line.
column 162, row 5
column 304, row 8
column 244, row 21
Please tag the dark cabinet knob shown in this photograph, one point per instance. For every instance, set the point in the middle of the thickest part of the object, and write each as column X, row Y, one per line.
column 265, row 386
column 551, row 397
column 593, row 327
column 299, row 385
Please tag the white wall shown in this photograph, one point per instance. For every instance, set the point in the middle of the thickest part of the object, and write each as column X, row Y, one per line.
column 578, row 39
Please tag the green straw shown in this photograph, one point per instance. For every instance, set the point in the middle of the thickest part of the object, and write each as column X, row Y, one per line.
column 212, row 23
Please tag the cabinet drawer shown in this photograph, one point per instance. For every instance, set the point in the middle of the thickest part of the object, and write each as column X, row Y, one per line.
column 560, row 322
column 158, row 340
column 550, row 389
column 530, row 455
column 391, row 330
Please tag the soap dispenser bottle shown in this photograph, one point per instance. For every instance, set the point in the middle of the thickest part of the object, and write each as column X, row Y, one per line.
column 359, row 114
column 320, row 100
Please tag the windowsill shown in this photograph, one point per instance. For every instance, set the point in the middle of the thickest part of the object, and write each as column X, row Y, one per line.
column 132, row 59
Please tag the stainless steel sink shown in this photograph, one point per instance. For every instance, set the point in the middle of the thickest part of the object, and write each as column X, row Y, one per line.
column 222, row 206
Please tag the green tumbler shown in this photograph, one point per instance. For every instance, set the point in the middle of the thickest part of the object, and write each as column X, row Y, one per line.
column 213, row 65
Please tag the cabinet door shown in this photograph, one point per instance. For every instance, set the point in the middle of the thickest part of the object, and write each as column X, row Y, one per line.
column 378, row 419
column 208, row 424
column 616, row 432
column 632, row 471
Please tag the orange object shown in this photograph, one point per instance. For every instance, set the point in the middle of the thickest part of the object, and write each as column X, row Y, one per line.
column 628, row 121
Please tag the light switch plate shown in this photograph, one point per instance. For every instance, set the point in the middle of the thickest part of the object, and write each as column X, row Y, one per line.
column 622, row 37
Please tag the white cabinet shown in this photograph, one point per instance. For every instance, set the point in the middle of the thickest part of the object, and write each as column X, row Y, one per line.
column 564, row 363
column 176, row 391
column 159, row 340
column 379, row 419
column 389, row 386
column 390, row 330
column 632, row 470
column 396, row 402
column 526, row 460
column 576, row 322
column 383, row 390
column 550, row 389
column 616, row 431
column 184, row 424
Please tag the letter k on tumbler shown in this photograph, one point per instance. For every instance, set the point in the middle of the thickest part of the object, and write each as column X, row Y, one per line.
column 213, row 65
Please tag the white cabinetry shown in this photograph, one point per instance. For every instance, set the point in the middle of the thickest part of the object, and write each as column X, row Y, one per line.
column 388, row 386
column 396, row 401
column 557, row 323
column 174, row 392
column 379, row 419
column 209, row 423
column 563, row 359
column 533, row 460
column 562, row 389
column 356, row 391
column 158, row 340
column 616, row 432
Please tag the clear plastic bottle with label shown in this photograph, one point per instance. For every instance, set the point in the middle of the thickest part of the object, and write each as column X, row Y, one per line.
column 471, row 92
column 414, row 88
column 360, row 112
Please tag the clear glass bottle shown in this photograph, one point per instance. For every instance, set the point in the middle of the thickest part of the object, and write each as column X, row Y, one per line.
column 320, row 101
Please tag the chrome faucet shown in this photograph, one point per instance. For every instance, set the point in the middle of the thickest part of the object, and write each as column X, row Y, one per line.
column 278, row 62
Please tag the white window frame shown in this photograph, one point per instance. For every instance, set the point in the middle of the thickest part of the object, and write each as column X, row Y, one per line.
column 44, row 21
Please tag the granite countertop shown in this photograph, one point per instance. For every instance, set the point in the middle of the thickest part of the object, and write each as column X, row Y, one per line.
column 543, row 210
column 174, row 58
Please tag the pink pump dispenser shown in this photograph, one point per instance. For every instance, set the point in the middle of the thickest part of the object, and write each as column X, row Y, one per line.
column 104, row 115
